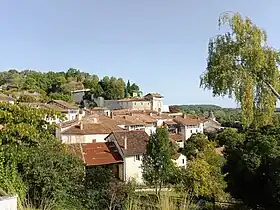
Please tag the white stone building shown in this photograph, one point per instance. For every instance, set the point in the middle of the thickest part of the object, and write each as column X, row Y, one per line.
column 132, row 145
column 189, row 126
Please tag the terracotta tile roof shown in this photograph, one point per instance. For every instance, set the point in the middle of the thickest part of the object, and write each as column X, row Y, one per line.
column 128, row 120
column 170, row 122
column 98, row 108
column 157, row 95
column 145, row 117
column 91, row 128
column 162, row 116
column 63, row 104
column 176, row 137
column 101, row 153
column 187, row 121
column 68, row 123
column 93, row 124
column 136, row 142
column 129, row 111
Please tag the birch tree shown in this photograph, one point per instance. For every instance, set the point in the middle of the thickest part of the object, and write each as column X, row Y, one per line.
column 244, row 67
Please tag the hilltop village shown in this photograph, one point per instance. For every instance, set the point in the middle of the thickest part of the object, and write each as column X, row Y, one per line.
column 115, row 133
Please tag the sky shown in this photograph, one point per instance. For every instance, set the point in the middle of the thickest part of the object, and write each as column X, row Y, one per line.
column 161, row 45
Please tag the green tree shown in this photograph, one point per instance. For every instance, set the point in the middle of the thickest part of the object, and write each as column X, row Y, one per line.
column 243, row 66
column 33, row 163
column 127, row 89
column 103, row 190
column 203, row 176
column 252, row 166
column 195, row 144
column 27, row 99
column 157, row 162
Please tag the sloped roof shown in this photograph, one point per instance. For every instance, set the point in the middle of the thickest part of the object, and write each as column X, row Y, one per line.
column 187, row 121
column 99, row 153
column 63, row 104
column 136, row 142
column 156, row 95
column 176, row 137
column 128, row 120
column 91, row 128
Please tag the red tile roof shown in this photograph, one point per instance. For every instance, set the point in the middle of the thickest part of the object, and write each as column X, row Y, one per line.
column 101, row 153
column 136, row 142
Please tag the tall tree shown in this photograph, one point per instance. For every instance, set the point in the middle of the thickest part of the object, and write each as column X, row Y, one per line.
column 127, row 89
column 243, row 66
column 157, row 162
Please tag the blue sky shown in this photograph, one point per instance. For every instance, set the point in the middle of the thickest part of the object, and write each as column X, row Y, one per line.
column 159, row 44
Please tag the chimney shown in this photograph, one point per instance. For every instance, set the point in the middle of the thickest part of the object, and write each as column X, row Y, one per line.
column 176, row 130
column 95, row 120
column 185, row 116
column 81, row 126
column 151, row 114
column 80, row 116
column 125, row 141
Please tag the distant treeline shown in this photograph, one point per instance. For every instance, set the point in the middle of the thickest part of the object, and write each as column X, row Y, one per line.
column 58, row 85
column 223, row 115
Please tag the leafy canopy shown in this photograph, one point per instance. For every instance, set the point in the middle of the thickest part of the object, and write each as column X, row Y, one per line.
column 253, row 166
column 157, row 162
column 243, row 66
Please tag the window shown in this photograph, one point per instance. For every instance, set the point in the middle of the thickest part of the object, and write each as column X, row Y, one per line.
column 191, row 131
column 137, row 157
column 183, row 161
column 135, row 103
column 197, row 130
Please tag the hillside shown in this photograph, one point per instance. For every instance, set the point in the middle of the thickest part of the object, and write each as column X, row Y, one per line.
column 223, row 115
column 58, row 85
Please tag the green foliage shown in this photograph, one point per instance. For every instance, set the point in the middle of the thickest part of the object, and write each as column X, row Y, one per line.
column 58, row 85
column 59, row 96
column 223, row 115
column 195, row 144
column 203, row 176
column 157, row 162
column 27, row 99
column 243, row 66
column 103, row 190
column 33, row 163
column 253, row 166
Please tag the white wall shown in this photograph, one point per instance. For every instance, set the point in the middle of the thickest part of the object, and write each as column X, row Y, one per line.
column 149, row 129
column 157, row 104
column 181, row 161
column 189, row 130
column 73, row 139
column 133, row 169
column 8, row 203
